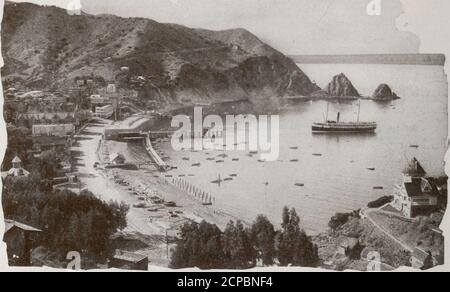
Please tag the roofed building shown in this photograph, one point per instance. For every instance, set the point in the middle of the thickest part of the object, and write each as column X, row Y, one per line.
column 417, row 195
column 53, row 130
column 17, row 170
column 117, row 159
column 104, row 112
column 421, row 259
column 129, row 261
column 19, row 242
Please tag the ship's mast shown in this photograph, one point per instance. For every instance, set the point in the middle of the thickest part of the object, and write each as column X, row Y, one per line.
column 328, row 107
column 359, row 109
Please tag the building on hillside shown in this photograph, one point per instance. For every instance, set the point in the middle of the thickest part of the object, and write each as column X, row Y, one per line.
column 19, row 241
column 58, row 130
column 17, row 170
column 50, row 118
column 98, row 99
column 417, row 195
column 111, row 88
column 129, row 261
column 422, row 260
column 350, row 247
column 51, row 143
column 104, row 111
column 117, row 159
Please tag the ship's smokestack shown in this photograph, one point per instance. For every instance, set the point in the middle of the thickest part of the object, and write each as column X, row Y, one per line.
column 338, row 117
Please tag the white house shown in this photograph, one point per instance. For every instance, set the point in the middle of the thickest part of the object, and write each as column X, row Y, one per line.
column 104, row 111
column 417, row 194
column 17, row 170
column 117, row 159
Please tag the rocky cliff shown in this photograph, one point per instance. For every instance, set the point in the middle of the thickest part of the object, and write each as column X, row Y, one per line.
column 384, row 92
column 46, row 48
column 341, row 86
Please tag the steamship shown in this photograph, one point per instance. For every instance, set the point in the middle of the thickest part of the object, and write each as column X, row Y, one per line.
column 337, row 126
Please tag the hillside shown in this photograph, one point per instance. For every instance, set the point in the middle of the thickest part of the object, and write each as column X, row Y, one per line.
column 46, row 48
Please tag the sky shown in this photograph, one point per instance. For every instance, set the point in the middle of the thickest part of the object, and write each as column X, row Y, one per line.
column 291, row 26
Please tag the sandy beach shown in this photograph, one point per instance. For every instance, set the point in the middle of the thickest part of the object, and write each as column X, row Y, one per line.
column 149, row 222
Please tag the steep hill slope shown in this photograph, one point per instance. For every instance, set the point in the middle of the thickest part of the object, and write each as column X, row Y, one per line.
column 44, row 47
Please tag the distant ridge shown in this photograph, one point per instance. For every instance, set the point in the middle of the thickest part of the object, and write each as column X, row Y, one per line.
column 397, row 59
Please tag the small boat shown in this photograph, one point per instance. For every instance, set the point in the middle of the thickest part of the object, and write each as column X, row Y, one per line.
column 191, row 175
column 169, row 176
column 233, row 175
column 299, row 185
column 317, row 154
column 210, row 159
column 220, row 161
column 262, row 160
column 253, row 152
column 414, row 146
column 217, row 181
column 222, row 156
column 371, row 168
column 294, row 160
column 186, row 159
column 182, row 175
column 228, row 179
column 266, row 183
column 196, row 164
column 235, row 159
column 170, row 204
column 378, row 188
column 294, row 148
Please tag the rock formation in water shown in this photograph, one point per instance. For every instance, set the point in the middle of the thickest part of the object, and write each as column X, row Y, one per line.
column 341, row 86
column 384, row 92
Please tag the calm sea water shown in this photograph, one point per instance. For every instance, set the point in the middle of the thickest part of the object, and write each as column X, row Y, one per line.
column 339, row 180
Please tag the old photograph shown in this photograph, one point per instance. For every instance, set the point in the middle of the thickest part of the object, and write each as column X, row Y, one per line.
column 221, row 135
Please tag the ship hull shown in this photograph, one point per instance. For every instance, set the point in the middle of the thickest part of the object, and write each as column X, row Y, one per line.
column 344, row 128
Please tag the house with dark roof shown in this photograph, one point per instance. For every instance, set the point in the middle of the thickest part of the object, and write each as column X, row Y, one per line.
column 129, row 261
column 117, row 159
column 417, row 195
column 19, row 241
column 421, row 259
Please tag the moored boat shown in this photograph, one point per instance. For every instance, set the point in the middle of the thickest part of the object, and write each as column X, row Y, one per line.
column 340, row 127
column 344, row 127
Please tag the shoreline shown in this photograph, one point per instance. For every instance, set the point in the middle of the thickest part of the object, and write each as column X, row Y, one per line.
column 150, row 222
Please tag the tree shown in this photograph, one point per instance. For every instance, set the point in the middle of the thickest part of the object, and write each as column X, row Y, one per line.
column 69, row 221
column 238, row 249
column 263, row 238
column 294, row 247
column 199, row 246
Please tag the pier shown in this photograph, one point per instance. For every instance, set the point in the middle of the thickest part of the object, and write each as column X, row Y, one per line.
column 162, row 166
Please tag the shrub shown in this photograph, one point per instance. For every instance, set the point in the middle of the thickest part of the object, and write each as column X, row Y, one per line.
column 380, row 202
column 338, row 220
